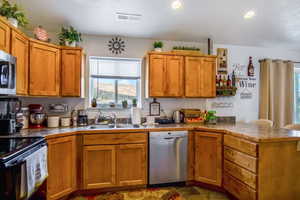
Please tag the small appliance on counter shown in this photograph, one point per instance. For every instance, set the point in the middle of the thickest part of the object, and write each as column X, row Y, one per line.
column 37, row 116
column 82, row 119
column 178, row 117
column 9, row 109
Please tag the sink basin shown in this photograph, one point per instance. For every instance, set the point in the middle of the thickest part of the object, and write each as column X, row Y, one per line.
column 112, row 126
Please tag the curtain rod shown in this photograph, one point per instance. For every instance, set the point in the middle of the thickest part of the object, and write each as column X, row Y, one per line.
column 296, row 62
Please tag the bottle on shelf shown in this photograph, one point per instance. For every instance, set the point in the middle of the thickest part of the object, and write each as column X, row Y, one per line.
column 224, row 81
column 228, row 82
column 220, row 81
column 233, row 79
column 217, row 82
column 250, row 67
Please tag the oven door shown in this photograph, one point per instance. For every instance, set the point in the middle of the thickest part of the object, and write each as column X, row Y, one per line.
column 12, row 185
column 7, row 74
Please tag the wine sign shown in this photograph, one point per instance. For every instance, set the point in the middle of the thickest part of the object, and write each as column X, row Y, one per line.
column 247, row 84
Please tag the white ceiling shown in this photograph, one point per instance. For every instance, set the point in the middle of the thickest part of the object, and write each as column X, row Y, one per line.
column 277, row 22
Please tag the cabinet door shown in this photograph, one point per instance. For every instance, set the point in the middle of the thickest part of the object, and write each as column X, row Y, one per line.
column 157, row 80
column 208, row 158
column 174, row 76
column 20, row 49
column 132, row 164
column 208, row 77
column 99, row 166
column 61, row 166
column 71, row 73
column 192, row 77
column 4, row 37
column 44, row 70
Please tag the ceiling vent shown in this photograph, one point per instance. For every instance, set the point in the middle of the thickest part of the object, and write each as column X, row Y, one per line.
column 128, row 17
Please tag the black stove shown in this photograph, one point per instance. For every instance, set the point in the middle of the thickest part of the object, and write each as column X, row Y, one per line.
column 13, row 154
column 13, row 147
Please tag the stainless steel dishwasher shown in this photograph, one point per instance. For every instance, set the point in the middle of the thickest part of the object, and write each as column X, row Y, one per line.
column 168, row 157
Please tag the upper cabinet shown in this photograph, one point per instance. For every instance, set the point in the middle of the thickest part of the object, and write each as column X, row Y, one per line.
column 200, row 77
column 44, row 69
column 174, row 75
column 4, row 36
column 19, row 49
column 166, row 76
column 71, row 72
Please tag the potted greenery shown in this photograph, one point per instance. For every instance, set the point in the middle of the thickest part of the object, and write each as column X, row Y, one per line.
column 124, row 104
column 69, row 36
column 134, row 102
column 158, row 45
column 13, row 13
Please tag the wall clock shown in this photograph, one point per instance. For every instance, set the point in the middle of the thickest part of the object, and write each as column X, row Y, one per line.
column 116, row 45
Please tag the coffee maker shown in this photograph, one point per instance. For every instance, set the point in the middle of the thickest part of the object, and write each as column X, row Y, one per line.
column 82, row 119
column 9, row 107
column 37, row 116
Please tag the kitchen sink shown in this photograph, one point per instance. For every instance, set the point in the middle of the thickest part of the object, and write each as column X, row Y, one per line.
column 112, row 126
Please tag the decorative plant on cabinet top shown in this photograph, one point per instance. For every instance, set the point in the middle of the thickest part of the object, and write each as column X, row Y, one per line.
column 13, row 13
column 69, row 36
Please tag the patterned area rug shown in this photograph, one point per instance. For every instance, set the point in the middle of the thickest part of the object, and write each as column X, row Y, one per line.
column 169, row 193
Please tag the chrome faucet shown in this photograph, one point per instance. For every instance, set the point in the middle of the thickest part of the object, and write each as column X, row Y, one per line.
column 114, row 119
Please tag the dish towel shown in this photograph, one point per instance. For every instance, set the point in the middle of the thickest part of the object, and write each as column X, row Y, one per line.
column 36, row 170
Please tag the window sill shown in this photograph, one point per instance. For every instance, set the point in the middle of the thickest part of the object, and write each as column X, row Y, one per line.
column 109, row 108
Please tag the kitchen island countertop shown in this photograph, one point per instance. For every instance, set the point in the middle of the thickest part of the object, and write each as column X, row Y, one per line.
column 253, row 132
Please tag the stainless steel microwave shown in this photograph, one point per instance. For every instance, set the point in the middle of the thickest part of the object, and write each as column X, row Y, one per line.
column 7, row 74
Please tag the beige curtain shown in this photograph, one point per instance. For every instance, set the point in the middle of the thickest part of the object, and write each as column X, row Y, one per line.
column 276, row 91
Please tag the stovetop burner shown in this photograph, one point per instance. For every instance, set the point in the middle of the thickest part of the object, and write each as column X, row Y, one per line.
column 13, row 146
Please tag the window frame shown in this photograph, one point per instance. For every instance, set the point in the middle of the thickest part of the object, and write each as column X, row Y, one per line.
column 117, row 78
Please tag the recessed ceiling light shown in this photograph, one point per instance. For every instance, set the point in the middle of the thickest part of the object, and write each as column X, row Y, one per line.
column 176, row 4
column 250, row 14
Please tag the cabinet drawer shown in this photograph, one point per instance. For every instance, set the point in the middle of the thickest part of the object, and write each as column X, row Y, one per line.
column 241, row 145
column 241, row 159
column 114, row 138
column 238, row 189
column 242, row 174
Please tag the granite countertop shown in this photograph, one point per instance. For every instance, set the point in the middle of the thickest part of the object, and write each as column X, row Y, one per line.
column 256, row 133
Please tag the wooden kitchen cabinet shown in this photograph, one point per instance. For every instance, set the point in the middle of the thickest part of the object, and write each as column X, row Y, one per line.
column 208, row 158
column 99, row 164
column 61, row 167
column 20, row 49
column 166, row 76
column 71, row 72
column 44, row 69
column 200, row 76
column 114, row 160
column 132, row 164
column 5, row 32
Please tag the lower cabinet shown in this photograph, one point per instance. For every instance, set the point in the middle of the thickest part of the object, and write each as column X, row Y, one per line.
column 115, row 165
column 99, row 166
column 208, row 158
column 132, row 164
column 61, row 167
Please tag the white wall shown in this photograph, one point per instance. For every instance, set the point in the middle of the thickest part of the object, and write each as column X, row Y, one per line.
column 244, row 109
column 137, row 48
